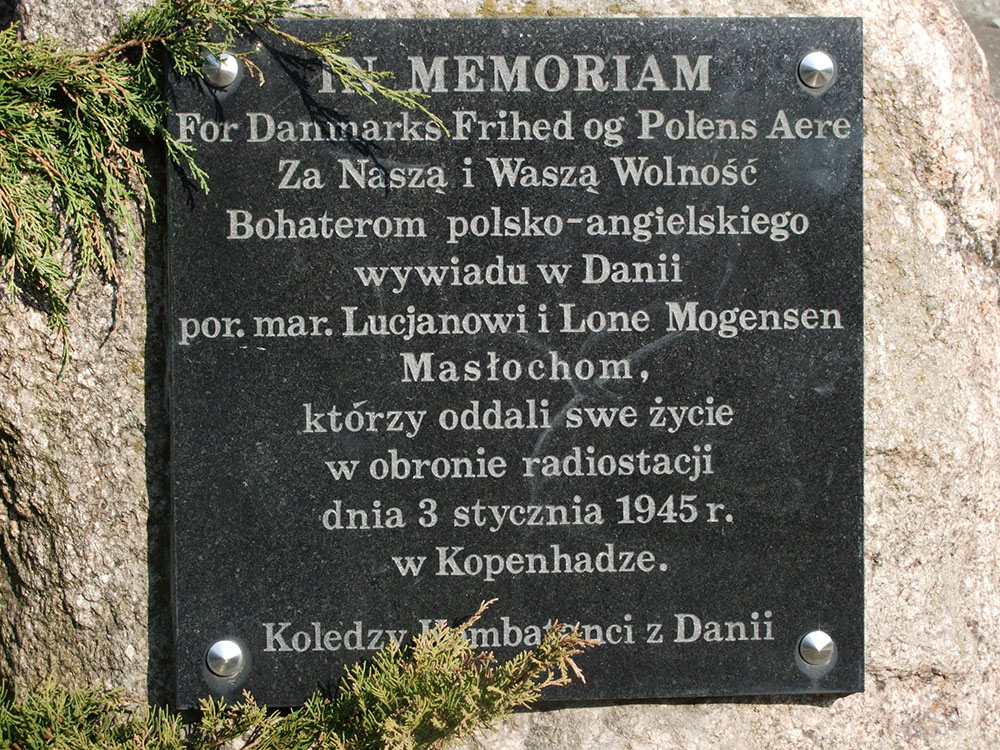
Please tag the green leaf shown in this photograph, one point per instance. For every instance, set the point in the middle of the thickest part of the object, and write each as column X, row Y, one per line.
column 417, row 697
column 72, row 125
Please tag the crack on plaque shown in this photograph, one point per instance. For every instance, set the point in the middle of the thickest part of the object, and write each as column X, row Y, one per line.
column 596, row 390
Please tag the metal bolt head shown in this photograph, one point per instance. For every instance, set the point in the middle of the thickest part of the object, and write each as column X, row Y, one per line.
column 816, row 69
column 220, row 71
column 816, row 648
column 225, row 658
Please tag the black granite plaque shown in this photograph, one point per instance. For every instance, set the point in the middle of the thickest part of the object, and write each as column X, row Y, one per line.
column 595, row 351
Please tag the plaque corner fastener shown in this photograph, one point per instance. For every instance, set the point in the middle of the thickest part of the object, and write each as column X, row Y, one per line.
column 220, row 71
column 816, row 70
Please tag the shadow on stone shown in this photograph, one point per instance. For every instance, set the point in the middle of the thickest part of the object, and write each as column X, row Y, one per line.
column 160, row 668
column 819, row 701
column 7, row 13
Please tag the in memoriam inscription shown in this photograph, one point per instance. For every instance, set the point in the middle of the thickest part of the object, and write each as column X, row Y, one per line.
column 591, row 345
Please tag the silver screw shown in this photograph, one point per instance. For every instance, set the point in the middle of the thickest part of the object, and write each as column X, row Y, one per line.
column 816, row 69
column 816, row 648
column 225, row 658
column 220, row 71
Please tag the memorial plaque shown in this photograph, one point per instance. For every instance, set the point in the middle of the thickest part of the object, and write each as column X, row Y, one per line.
column 590, row 345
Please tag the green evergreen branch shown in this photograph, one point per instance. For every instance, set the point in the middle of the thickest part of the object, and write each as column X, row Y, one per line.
column 418, row 697
column 72, row 123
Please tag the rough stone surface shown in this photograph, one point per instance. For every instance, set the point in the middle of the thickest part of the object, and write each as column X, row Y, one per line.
column 82, row 453
column 983, row 17
column 81, row 23
column 83, row 510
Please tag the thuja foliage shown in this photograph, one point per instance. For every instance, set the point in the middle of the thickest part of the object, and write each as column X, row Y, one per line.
column 422, row 695
column 72, row 124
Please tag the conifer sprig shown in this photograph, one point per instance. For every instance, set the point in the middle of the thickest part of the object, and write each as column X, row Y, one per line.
column 418, row 697
column 72, row 125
